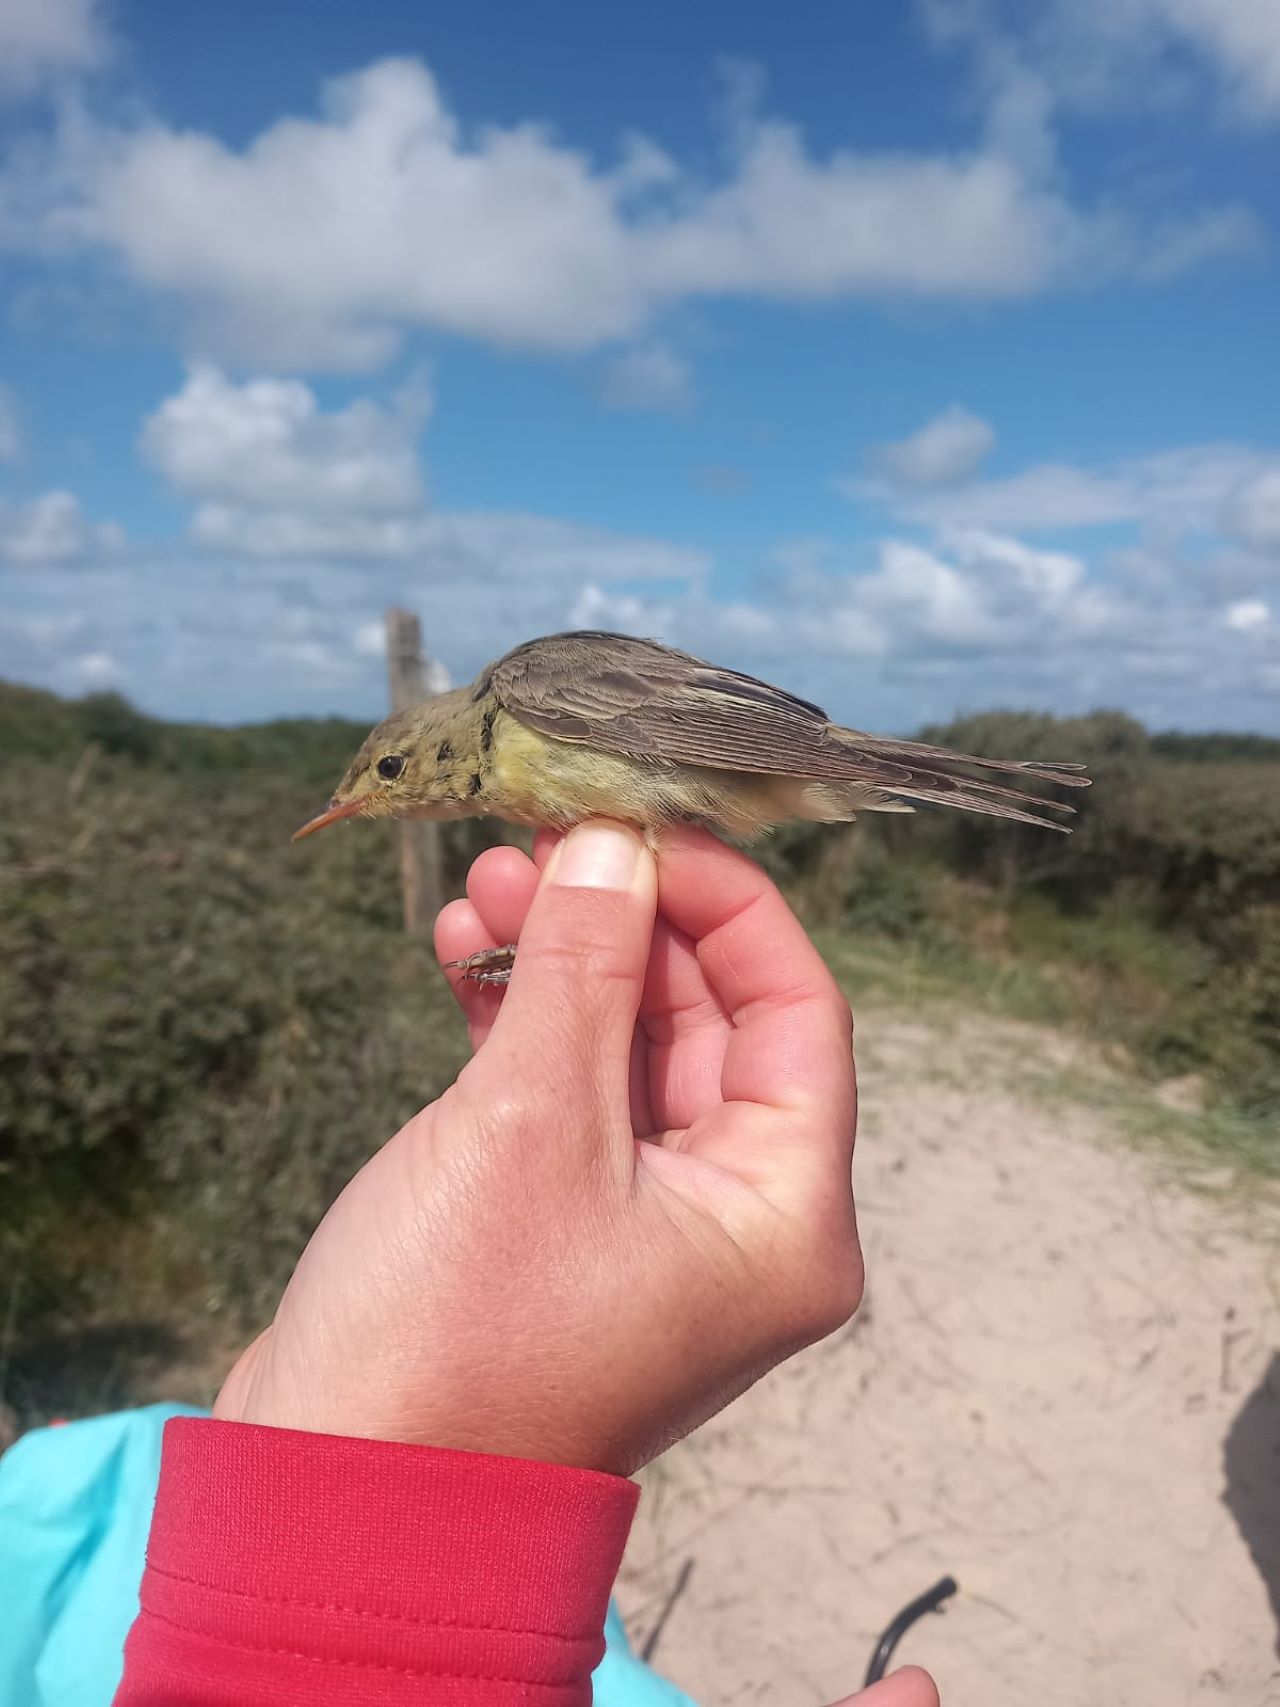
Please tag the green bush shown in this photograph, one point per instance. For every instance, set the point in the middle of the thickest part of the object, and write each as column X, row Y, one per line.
column 203, row 1029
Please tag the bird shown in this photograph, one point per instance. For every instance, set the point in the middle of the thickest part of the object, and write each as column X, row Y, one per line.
column 592, row 724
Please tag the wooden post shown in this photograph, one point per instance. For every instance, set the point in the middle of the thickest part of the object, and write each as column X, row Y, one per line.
column 421, row 876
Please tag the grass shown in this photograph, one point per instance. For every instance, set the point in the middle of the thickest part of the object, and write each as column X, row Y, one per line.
column 939, row 978
column 946, row 981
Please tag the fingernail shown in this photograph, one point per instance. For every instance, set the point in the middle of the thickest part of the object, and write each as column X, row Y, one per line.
column 597, row 856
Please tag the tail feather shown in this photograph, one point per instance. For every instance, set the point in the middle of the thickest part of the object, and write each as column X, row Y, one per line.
column 895, row 767
column 970, row 802
column 1044, row 770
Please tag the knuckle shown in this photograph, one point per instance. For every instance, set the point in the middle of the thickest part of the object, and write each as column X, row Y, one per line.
column 580, row 976
column 583, row 956
column 576, row 929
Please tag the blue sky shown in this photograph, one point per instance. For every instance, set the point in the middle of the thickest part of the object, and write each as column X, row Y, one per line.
column 921, row 356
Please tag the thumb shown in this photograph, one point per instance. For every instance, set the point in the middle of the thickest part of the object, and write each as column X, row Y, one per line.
column 909, row 1687
column 579, row 973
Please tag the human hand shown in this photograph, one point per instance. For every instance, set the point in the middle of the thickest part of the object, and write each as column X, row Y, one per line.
column 514, row 1272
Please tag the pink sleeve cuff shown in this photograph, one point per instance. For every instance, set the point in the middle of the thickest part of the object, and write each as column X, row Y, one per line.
column 288, row 1566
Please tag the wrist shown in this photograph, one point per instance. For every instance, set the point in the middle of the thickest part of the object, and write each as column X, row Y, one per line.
column 258, row 1392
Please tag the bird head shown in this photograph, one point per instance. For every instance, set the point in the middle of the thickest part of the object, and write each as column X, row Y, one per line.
column 404, row 768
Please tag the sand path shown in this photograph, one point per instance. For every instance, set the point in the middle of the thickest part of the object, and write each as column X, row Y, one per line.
column 1063, row 1389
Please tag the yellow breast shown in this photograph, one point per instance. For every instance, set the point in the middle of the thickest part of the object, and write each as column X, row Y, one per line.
column 535, row 779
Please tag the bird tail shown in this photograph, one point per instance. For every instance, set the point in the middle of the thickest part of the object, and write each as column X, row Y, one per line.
column 901, row 773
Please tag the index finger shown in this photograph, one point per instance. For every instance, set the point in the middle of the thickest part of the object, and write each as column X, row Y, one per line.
column 791, row 1045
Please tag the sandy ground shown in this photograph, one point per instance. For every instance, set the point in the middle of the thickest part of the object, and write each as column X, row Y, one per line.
column 1062, row 1389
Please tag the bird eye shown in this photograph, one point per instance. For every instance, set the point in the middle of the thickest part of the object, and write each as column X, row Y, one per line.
column 390, row 766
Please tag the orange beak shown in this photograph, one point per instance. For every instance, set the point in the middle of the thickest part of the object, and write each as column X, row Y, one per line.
column 333, row 811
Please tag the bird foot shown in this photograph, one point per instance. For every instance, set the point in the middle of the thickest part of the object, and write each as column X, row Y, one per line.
column 486, row 966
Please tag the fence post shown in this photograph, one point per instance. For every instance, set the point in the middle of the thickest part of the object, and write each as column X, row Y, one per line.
column 421, row 876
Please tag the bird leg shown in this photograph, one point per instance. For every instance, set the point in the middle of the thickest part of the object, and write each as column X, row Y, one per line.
column 486, row 966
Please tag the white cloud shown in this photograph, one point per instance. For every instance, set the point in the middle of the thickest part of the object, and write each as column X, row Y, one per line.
column 974, row 595
column 981, row 619
column 907, row 634
column 42, row 39
column 1246, row 615
column 1240, row 39
column 651, row 376
column 915, row 589
column 267, row 443
column 1199, row 489
column 280, row 481
column 96, row 670
column 622, row 613
column 479, row 543
column 788, row 226
column 278, row 534
column 370, row 639
column 200, row 634
column 982, row 591
column 945, row 451
column 1244, row 37
column 1253, row 511
column 308, row 523
column 1052, row 581
column 52, row 529
column 10, row 426
column 325, row 238
column 1095, row 54
column 1050, row 495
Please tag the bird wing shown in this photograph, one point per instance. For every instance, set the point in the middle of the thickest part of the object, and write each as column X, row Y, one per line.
column 651, row 702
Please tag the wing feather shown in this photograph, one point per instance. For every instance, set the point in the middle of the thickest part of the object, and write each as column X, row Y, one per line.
column 653, row 703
